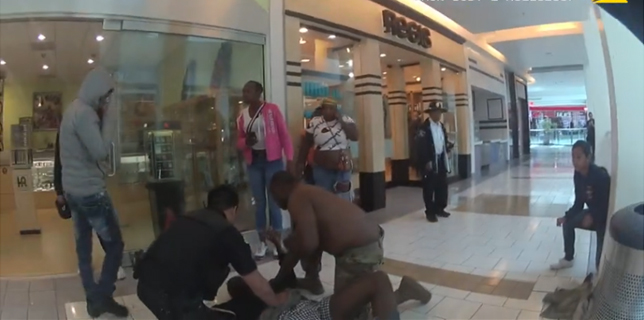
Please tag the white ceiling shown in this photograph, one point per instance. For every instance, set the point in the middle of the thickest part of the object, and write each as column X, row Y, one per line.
column 545, row 52
column 486, row 16
column 558, row 88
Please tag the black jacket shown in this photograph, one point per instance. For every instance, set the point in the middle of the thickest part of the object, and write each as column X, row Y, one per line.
column 58, row 169
column 425, row 150
column 592, row 190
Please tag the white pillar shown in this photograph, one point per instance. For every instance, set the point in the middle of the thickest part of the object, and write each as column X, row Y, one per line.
column 397, row 101
column 370, row 121
column 431, row 82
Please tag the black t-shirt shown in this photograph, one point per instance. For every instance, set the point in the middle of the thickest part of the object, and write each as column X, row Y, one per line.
column 192, row 256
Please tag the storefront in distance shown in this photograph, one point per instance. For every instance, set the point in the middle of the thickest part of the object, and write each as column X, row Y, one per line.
column 179, row 71
column 384, row 63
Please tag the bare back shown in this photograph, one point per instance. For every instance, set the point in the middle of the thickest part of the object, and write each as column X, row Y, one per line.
column 341, row 224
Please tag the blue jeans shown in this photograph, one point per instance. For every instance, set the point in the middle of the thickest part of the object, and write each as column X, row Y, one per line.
column 574, row 222
column 96, row 213
column 326, row 179
column 260, row 173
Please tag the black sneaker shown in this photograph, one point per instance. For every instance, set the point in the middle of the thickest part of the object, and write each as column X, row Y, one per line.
column 443, row 214
column 96, row 309
column 431, row 217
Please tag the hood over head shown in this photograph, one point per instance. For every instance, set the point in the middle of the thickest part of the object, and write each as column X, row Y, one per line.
column 96, row 84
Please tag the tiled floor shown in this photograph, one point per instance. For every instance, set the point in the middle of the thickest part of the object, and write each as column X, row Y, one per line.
column 477, row 263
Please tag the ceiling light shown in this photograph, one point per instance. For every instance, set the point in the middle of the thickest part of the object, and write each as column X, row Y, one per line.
column 382, row 55
column 332, row 36
column 443, row 69
column 302, row 41
column 304, row 30
column 384, row 72
column 2, row 62
column 41, row 37
column 306, row 60
column 341, row 66
column 90, row 61
column 350, row 63
column 350, row 74
column 399, row 60
column 45, row 67
column 99, row 38
column 349, row 50
column 417, row 78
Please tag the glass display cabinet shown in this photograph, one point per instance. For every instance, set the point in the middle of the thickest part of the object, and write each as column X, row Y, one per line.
column 163, row 154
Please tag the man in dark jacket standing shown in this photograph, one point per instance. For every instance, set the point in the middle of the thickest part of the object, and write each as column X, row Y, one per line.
column 432, row 162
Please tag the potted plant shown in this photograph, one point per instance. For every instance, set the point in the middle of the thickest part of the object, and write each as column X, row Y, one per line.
column 548, row 129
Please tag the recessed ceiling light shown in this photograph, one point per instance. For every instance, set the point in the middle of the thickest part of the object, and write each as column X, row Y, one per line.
column 382, row 55
column 306, row 60
column 443, row 69
column 90, row 61
column 332, row 36
column 304, row 30
column 302, row 41
column 100, row 38
column 45, row 67
column 350, row 74
column 41, row 37
column 384, row 72
column 417, row 78
column 399, row 60
column 341, row 66
column 349, row 50
column 2, row 62
column 350, row 63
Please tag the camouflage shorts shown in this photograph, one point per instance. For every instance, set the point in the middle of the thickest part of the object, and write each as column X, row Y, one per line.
column 357, row 262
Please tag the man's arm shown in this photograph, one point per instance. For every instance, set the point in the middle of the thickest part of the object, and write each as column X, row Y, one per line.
column 240, row 257
column 58, row 168
column 601, row 195
column 580, row 197
column 306, row 231
column 89, row 132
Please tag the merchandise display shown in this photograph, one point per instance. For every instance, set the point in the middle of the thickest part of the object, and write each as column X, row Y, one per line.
column 43, row 175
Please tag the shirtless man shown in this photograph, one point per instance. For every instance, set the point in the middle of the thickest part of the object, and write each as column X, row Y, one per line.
column 322, row 222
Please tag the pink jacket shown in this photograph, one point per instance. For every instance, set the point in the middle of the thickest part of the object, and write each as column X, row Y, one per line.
column 277, row 136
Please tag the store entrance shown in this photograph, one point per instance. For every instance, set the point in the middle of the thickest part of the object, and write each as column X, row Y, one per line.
column 172, row 119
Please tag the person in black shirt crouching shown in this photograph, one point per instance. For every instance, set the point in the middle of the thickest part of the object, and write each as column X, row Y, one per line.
column 592, row 189
column 189, row 261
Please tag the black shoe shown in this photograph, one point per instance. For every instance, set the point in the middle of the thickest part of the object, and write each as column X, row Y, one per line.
column 443, row 214
column 431, row 217
column 96, row 309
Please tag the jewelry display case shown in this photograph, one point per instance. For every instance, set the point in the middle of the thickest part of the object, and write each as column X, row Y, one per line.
column 43, row 174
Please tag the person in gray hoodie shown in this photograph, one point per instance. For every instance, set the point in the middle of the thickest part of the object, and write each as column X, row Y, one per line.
column 84, row 151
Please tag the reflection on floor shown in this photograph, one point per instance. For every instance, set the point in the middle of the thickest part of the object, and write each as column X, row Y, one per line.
column 478, row 265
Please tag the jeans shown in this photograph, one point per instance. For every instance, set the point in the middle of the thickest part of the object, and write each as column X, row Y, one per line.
column 574, row 222
column 326, row 179
column 260, row 173
column 96, row 212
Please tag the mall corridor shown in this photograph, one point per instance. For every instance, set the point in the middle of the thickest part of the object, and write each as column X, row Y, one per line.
column 489, row 260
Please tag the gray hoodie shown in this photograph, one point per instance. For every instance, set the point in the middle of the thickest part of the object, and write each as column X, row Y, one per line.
column 83, row 145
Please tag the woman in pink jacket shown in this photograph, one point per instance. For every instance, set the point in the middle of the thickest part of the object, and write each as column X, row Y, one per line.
column 263, row 138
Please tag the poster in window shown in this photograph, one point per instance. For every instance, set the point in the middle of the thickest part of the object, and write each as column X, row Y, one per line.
column 47, row 110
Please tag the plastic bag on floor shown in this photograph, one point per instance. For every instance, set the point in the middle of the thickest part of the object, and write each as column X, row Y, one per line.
column 567, row 304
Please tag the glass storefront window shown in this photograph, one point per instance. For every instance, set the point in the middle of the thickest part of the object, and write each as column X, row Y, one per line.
column 183, row 90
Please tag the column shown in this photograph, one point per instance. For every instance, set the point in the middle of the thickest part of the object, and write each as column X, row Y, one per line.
column 397, row 100
column 464, row 126
column 294, row 99
column 370, row 121
column 321, row 56
column 431, row 82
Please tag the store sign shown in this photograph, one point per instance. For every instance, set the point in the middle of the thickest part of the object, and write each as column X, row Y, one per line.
column 21, row 183
column 403, row 29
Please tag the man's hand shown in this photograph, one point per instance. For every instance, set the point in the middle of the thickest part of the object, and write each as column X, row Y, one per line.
column 60, row 200
column 429, row 166
column 587, row 222
column 561, row 221
column 283, row 297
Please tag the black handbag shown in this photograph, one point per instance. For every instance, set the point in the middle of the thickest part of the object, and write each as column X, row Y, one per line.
column 63, row 210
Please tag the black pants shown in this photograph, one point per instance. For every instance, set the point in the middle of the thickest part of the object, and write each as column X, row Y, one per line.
column 165, row 307
column 435, row 187
column 574, row 222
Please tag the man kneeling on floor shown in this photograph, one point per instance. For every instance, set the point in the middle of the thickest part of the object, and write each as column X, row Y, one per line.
column 322, row 222
column 190, row 259
column 374, row 288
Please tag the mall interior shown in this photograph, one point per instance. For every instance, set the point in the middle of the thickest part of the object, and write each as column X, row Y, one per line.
column 518, row 86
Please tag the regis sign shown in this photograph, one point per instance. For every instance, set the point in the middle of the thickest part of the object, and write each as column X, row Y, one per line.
column 403, row 29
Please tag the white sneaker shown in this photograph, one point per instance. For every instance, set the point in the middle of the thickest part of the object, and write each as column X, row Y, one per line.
column 562, row 264
column 121, row 275
column 261, row 251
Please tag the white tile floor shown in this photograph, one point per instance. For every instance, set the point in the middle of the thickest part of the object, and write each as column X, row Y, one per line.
column 512, row 247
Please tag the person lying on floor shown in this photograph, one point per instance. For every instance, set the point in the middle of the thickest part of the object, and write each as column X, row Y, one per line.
column 374, row 288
